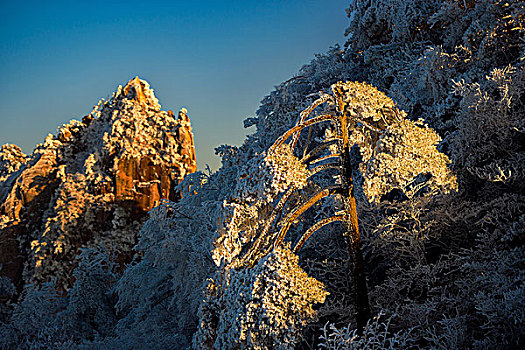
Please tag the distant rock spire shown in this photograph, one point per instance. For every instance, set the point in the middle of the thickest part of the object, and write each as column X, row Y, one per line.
column 90, row 184
column 185, row 139
column 183, row 115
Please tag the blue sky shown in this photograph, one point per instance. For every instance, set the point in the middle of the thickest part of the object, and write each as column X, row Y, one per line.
column 216, row 58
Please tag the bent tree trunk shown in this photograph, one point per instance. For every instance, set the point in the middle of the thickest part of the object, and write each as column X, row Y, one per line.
column 358, row 289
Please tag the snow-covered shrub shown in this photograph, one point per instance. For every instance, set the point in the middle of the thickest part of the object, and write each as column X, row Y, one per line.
column 35, row 322
column 45, row 318
column 265, row 307
column 11, row 160
column 7, row 291
column 490, row 125
column 375, row 336
column 90, row 304
column 249, row 210
column 160, row 292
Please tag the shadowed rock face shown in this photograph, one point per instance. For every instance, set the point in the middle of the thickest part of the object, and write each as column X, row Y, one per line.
column 91, row 184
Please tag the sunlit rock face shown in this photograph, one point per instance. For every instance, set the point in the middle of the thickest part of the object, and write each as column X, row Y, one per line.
column 90, row 184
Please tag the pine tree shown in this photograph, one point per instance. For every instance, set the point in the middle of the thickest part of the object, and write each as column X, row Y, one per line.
column 396, row 154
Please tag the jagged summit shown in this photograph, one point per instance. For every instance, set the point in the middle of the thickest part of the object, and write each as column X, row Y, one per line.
column 140, row 91
column 90, row 184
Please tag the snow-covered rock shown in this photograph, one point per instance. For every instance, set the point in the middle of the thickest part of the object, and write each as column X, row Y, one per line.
column 90, row 184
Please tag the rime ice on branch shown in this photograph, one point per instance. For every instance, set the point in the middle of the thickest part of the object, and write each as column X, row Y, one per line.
column 395, row 151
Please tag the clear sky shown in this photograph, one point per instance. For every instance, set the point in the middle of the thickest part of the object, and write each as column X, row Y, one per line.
column 216, row 58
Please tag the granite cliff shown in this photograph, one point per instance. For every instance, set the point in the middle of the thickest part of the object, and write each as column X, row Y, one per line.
column 89, row 185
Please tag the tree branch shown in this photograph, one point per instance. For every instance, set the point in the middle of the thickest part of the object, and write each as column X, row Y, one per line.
column 299, row 244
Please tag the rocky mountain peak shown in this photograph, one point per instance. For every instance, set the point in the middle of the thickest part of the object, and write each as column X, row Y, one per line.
column 91, row 183
column 140, row 91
